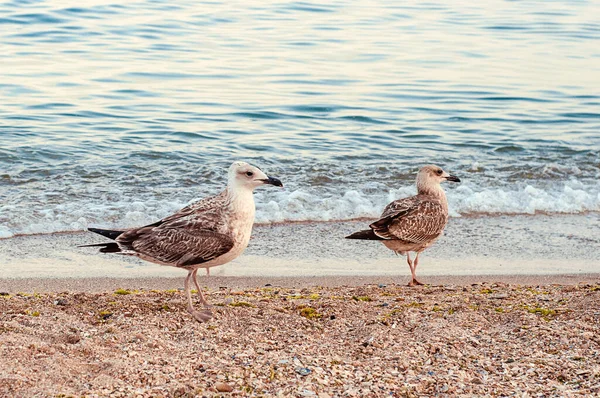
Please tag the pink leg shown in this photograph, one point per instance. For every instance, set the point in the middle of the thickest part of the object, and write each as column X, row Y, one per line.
column 202, row 299
column 413, row 269
column 200, row 316
column 415, row 263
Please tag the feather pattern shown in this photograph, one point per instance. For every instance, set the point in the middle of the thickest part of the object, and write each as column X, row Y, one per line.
column 195, row 235
column 418, row 220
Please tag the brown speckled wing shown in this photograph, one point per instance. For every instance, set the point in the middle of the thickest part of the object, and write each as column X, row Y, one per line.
column 182, row 247
column 205, row 208
column 401, row 207
column 187, row 237
column 418, row 219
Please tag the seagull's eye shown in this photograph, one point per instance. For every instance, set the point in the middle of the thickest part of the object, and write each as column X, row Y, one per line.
column 249, row 173
column 439, row 172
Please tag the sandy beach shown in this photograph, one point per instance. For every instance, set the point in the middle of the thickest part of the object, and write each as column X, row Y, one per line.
column 322, row 337
column 322, row 317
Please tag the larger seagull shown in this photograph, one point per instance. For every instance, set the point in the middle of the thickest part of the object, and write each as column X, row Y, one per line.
column 207, row 233
column 413, row 224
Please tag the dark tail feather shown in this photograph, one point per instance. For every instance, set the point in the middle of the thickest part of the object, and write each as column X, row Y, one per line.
column 367, row 234
column 111, row 247
column 106, row 232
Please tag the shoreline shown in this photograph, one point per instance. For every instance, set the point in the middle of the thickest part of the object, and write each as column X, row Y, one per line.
column 215, row 283
column 364, row 220
column 540, row 245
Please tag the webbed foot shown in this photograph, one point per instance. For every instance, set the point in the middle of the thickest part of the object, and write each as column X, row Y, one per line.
column 202, row 316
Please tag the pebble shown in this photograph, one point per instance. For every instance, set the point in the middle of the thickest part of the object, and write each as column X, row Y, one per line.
column 303, row 371
column 223, row 387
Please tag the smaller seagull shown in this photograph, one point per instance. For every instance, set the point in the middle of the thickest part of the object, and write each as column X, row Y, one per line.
column 413, row 224
column 207, row 233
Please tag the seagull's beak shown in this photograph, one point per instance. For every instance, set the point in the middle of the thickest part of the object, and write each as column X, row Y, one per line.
column 453, row 179
column 272, row 181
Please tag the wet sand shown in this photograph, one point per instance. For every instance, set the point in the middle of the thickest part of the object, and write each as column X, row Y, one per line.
column 516, row 245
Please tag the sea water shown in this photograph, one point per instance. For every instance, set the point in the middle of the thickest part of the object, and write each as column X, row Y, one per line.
column 115, row 114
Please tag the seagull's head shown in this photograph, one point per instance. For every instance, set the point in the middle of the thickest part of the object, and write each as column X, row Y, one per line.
column 432, row 176
column 244, row 175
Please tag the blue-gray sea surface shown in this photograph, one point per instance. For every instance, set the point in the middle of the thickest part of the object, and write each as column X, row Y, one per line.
column 117, row 113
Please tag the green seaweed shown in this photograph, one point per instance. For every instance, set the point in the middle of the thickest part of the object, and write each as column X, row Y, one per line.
column 546, row 313
column 242, row 304
column 104, row 315
column 310, row 313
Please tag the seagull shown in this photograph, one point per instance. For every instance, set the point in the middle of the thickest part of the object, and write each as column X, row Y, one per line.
column 413, row 224
column 210, row 232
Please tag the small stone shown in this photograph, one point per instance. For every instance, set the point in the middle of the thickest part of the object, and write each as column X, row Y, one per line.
column 72, row 339
column 223, row 387
column 61, row 302
column 303, row 371
column 381, row 285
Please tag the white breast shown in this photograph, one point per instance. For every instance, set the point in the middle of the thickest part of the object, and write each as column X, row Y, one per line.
column 239, row 224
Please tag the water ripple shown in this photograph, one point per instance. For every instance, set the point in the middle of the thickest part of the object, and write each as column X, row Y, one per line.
column 104, row 104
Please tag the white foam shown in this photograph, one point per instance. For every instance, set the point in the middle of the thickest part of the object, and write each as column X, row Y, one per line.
column 305, row 204
column 569, row 197
column 5, row 232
